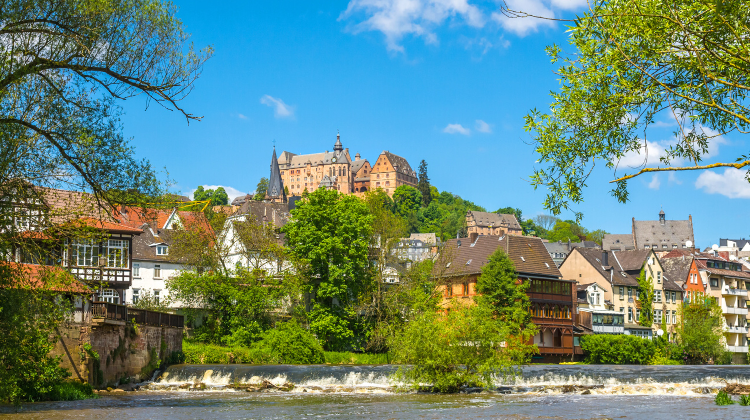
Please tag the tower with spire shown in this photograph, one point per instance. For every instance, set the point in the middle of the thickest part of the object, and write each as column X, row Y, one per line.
column 275, row 192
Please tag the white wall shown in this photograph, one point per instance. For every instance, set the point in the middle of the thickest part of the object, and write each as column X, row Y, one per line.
column 146, row 280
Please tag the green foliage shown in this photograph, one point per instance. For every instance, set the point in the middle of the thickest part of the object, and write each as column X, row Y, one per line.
column 700, row 332
column 261, row 189
column 625, row 74
column 147, row 300
column 349, row 358
column 216, row 198
column 564, row 231
column 502, row 292
column 423, row 185
column 176, row 358
column 722, row 398
column 744, row 400
column 460, row 349
column 645, row 299
column 445, row 215
column 618, row 349
column 330, row 235
column 68, row 391
column 291, row 344
column 510, row 210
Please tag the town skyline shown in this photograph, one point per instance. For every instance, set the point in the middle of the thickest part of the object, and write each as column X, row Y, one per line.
column 451, row 103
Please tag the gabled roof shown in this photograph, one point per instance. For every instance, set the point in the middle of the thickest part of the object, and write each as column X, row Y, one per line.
column 42, row 277
column 660, row 233
column 623, row 267
column 676, row 269
column 108, row 226
column 275, row 213
column 399, row 164
column 618, row 241
column 482, row 218
column 527, row 253
column 357, row 165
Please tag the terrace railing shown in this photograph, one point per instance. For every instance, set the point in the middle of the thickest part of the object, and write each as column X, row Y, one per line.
column 115, row 312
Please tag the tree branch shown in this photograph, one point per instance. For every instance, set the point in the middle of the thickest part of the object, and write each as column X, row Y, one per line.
column 737, row 165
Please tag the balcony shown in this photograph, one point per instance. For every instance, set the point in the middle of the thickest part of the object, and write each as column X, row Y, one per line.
column 737, row 349
column 735, row 310
column 730, row 291
column 736, row 330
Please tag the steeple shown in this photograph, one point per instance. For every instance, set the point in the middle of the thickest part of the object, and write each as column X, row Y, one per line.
column 662, row 217
column 275, row 190
column 338, row 147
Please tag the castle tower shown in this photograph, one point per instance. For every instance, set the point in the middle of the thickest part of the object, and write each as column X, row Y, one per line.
column 338, row 148
column 275, row 192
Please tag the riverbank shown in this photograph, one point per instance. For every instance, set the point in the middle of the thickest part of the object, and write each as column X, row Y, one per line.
column 203, row 354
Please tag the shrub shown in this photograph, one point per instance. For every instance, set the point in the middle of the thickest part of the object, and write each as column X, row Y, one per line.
column 618, row 349
column 348, row 358
column 722, row 398
column 744, row 399
column 291, row 344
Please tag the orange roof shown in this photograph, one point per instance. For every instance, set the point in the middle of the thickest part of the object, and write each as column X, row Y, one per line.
column 42, row 277
column 108, row 226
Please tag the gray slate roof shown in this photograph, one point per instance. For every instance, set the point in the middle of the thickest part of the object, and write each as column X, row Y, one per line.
column 659, row 233
column 622, row 242
column 357, row 165
column 399, row 164
column 740, row 242
column 275, row 184
column 485, row 219
column 677, row 269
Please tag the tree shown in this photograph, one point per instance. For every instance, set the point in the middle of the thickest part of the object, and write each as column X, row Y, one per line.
column 597, row 235
column 407, row 199
column 635, row 64
column 423, row 185
column 564, row 231
column 260, row 190
column 700, row 331
column 510, row 210
column 147, row 300
column 65, row 65
column 330, row 235
column 502, row 291
column 545, row 221
column 216, row 197
column 645, row 299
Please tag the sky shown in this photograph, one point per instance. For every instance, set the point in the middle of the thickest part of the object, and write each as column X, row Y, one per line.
column 447, row 81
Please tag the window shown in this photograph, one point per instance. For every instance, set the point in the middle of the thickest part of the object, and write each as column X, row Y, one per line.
column 86, row 253
column 157, row 271
column 637, row 315
column 136, row 271
column 111, row 296
column 162, row 250
column 674, row 317
column 136, row 295
column 117, row 253
column 657, row 296
column 622, row 293
column 674, row 297
column 648, row 247
column 156, row 296
column 630, row 292
column 714, row 281
column 664, row 246
column 658, row 277
column 466, row 289
column 630, row 314
column 657, row 316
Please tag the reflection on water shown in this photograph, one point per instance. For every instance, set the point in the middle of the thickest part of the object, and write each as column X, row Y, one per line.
column 543, row 391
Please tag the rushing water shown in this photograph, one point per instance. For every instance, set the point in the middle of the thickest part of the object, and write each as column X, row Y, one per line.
column 542, row 391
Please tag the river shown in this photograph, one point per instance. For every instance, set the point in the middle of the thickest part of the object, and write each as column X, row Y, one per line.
column 365, row 392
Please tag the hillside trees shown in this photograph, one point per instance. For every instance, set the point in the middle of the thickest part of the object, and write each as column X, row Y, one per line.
column 423, row 184
column 262, row 187
column 634, row 65
column 216, row 197
column 330, row 235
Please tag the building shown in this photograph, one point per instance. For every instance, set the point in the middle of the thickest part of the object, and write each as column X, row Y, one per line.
column 483, row 223
column 739, row 248
column 240, row 245
column 337, row 171
column 727, row 283
column 597, row 312
column 416, row 248
column 559, row 250
column 660, row 235
column 616, row 274
column 680, row 267
column 553, row 300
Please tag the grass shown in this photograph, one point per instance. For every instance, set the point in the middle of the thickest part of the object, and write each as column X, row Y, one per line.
column 209, row 354
column 70, row 391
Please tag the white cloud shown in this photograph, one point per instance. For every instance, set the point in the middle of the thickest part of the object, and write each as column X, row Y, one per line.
column 398, row 18
column 655, row 183
column 522, row 26
column 231, row 192
column 482, row 127
column 280, row 109
column 569, row 4
column 456, row 129
column 242, row 117
column 651, row 153
column 731, row 183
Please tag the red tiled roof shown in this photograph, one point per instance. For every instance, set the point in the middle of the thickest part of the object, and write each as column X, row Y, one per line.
column 108, row 226
column 42, row 277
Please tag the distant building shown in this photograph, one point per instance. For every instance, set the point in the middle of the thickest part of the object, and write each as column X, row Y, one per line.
column 559, row 250
column 660, row 235
column 483, row 223
column 739, row 248
column 417, row 247
column 597, row 313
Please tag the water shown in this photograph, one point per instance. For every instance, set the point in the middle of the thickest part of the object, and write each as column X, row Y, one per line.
column 343, row 392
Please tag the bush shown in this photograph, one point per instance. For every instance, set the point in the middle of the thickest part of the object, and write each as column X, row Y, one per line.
column 745, row 400
column 289, row 343
column 200, row 353
column 348, row 358
column 70, row 391
column 722, row 398
column 618, row 349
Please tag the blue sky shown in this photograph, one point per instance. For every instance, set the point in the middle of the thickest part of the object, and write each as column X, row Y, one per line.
column 448, row 81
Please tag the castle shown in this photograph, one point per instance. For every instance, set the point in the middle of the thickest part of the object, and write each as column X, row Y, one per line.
column 292, row 174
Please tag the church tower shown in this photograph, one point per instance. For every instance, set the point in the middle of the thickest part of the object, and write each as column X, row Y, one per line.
column 338, row 148
column 275, row 192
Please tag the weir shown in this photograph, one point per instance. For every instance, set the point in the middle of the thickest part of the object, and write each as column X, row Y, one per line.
column 535, row 379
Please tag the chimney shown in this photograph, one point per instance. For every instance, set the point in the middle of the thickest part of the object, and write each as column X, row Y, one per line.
column 605, row 258
column 458, row 243
column 473, row 236
column 357, row 157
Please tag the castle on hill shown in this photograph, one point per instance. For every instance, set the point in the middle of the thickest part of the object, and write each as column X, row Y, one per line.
column 292, row 174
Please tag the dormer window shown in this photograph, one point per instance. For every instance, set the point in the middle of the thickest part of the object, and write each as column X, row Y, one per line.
column 162, row 250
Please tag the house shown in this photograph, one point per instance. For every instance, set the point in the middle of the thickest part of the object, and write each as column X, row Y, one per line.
column 681, row 268
column 559, row 250
column 553, row 300
column 416, row 248
column 727, row 282
column 660, row 235
column 599, row 314
column 483, row 223
column 237, row 245
column 616, row 273
column 739, row 248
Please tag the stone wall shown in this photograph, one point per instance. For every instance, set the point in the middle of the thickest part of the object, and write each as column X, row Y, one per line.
column 124, row 351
